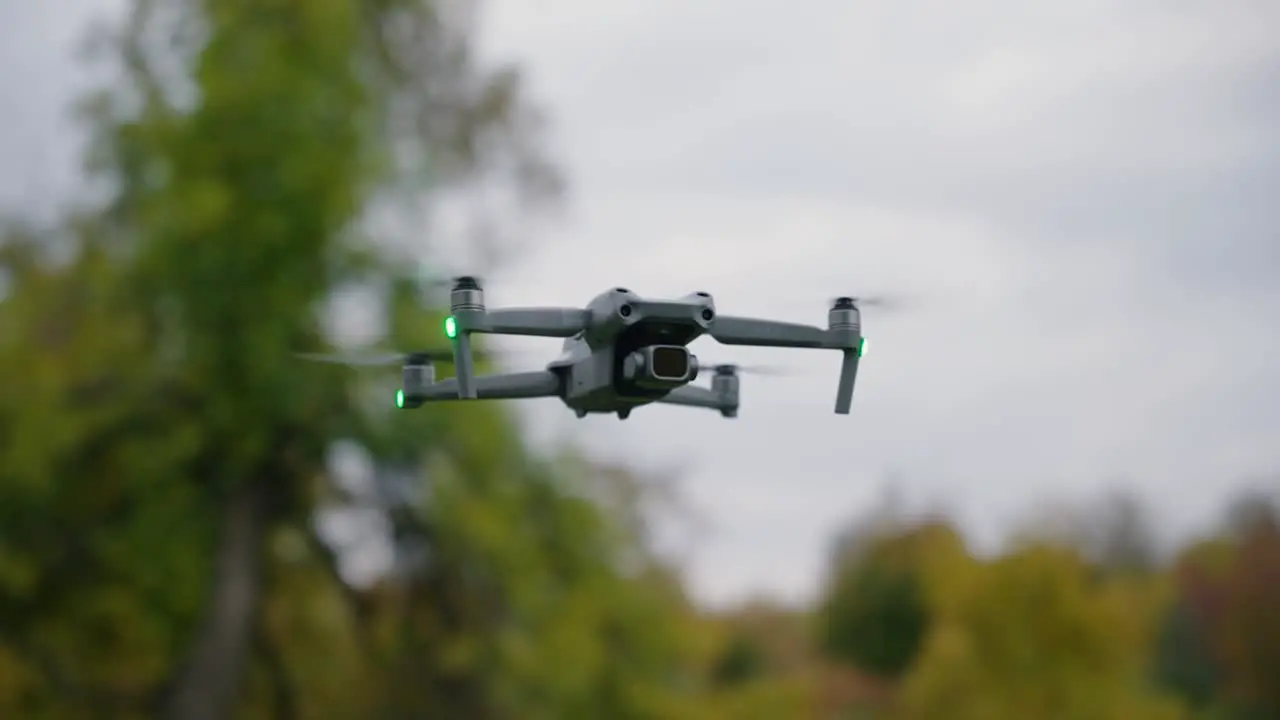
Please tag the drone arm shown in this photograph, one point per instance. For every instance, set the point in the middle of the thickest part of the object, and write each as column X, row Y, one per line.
column 506, row 386
column 843, row 334
column 558, row 322
column 538, row 322
column 694, row 396
column 730, row 330
column 848, row 375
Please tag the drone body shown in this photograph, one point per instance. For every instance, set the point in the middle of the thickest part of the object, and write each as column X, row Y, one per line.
column 621, row 351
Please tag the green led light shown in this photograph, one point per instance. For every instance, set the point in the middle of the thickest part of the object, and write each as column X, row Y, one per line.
column 451, row 327
column 862, row 347
column 400, row 399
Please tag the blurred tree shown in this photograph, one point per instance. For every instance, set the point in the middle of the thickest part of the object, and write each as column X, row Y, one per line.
column 164, row 462
column 1032, row 635
column 741, row 660
column 1114, row 532
column 781, row 633
column 236, row 189
column 875, row 611
column 1121, row 540
column 1249, row 633
column 760, row 663
column 1224, row 642
column 103, row 557
column 1184, row 664
column 883, row 621
column 1255, row 512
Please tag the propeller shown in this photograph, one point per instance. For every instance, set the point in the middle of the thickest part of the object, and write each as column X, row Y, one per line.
column 735, row 369
column 426, row 280
column 884, row 302
column 431, row 285
column 387, row 359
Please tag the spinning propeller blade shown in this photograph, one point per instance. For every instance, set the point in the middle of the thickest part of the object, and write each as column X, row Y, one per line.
column 736, row 369
column 384, row 359
column 883, row 302
column 427, row 280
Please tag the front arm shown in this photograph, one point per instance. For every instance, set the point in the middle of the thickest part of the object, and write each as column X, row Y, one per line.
column 730, row 330
column 700, row 397
column 505, row 386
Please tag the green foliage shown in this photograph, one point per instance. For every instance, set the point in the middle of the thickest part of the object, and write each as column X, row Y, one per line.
column 1226, row 599
column 1035, row 636
column 89, row 458
column 766, row 698
column 1183, row 663
column 741, row 661
column 875, row 613
column 165, row 461
column 883, row 623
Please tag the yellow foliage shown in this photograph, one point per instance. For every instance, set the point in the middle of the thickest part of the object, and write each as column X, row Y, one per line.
column 769, row 698
column 16, row 679
column 1033, row 634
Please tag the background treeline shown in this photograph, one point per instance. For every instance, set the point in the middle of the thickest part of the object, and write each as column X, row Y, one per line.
column 168, row 469
column 1083, row 616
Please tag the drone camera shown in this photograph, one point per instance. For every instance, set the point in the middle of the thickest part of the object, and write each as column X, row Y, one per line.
column 670, row 362
column 660, row 366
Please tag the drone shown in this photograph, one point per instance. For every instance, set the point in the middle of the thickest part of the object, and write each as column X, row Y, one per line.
column 622, row 351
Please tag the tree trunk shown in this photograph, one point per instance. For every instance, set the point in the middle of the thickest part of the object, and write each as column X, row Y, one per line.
column 209, row 684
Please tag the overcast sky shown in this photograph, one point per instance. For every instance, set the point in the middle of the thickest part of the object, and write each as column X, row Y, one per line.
column 1080, row 200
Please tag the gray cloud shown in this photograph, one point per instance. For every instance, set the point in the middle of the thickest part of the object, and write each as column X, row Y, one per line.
column 1078, row 195
column 40, row 77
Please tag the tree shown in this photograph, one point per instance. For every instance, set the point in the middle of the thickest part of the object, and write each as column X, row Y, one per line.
column 164, row 465
column 1184, row 663
column 741, row 660
column 1114, row 532
column 876, row 610
column 877, row 617
column 234, row 208
column 104, row 555
column 1033, row 634
column 1122, row 539
column 1249, row 630
column 1223, row 638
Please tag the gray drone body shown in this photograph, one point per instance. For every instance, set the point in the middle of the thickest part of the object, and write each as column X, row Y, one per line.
column 622, row 351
